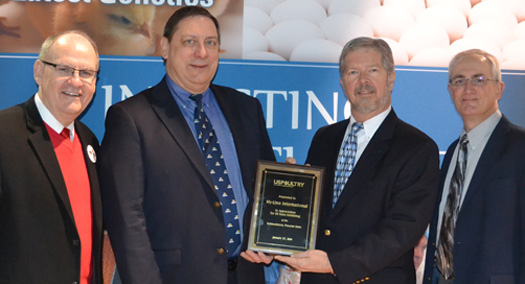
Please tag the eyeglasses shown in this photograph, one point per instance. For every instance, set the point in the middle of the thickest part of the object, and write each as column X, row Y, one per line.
column 66, row 71
column 476, row 81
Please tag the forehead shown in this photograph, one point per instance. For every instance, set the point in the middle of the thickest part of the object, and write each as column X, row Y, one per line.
column 196, row 25
column 470, row 65
column 363, row 56
column 73, row 48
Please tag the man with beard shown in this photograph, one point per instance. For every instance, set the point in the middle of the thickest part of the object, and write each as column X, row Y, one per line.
column 381, row 181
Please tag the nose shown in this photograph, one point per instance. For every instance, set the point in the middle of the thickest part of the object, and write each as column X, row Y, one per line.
column 75, row 78
column 200, row 50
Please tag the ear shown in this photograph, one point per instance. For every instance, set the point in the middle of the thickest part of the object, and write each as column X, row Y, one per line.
column 501, row 88
column 164, row 47
column 38, row 72
column 392, row 80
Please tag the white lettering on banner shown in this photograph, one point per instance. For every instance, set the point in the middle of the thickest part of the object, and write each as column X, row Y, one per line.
column 270, row 101
column 125, row 93
column 288, row 151
column 312, row 99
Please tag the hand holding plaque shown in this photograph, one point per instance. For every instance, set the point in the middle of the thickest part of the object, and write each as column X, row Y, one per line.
column 286, row 208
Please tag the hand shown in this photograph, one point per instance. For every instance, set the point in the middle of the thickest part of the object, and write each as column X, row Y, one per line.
column 258, row 257
column 309, row 261
column 290, row 160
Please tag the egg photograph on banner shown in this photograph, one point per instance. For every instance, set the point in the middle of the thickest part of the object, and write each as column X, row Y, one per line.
column 419, row 32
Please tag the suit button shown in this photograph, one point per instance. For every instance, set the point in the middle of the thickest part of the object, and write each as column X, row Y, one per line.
column 76, row 243
column 221, row 250
column 217, row 204
column 327, row 232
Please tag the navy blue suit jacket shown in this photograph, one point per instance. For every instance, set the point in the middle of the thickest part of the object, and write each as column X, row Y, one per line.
column 489, row 241
column 162, row 214
column 385, row 206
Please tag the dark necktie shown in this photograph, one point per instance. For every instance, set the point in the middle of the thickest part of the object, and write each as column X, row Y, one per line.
column 345, row 161
column 444, row 253
column 211, row 151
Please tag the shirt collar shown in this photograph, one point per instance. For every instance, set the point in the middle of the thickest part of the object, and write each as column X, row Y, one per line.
column 371, row 125
column 51, row 121
column 183, row 95
column 477, row 134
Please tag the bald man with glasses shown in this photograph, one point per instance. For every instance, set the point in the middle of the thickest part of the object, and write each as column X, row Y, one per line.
column 50, row 205
column 476, row 234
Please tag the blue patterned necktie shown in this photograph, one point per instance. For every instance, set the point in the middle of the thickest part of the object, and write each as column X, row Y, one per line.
column 211, row 151
column 444, row 259
column 345, row 161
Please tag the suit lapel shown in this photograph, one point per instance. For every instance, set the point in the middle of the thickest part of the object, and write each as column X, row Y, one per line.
column 366, row 167
column 492, row 151
column 41, row 143
column 170, row 115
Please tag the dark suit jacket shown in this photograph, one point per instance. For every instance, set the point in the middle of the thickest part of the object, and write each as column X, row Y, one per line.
column 385, row 206
column 162, row 213
column 39, row 242
column 489, row 240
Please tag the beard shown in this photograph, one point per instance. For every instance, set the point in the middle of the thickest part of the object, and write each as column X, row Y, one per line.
column 367, row 105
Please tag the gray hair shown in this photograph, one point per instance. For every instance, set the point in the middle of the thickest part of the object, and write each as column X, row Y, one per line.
column 366, row 42
column 492, row 60
column 48, row 43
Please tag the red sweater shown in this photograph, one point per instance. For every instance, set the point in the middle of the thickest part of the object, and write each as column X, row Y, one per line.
column 71, row 159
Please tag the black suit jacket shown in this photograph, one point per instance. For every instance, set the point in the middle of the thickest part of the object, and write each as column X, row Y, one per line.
column 39, row 242
column 489, row 240
column 162, row 213
column 384, row 208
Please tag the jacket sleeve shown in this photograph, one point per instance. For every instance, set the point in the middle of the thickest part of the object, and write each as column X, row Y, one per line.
column 122, row 185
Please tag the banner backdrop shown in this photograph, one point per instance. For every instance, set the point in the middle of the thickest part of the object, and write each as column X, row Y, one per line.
column 297, row 98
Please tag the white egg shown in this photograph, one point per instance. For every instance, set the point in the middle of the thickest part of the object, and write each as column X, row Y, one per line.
column 412, row 6
column 514, row 49
column 462, row 5
column 358, row 7
column 492, row 10
column 475, row 42
column 253, row 40
column 519, row 30
column 515, row 63
column 266, row 5
column 285, row 36
column 432, row 57
column 494, row 31
column 398, row 52
column 308, row 10
column 256, row 18
column 341, row 28
column 448, row 17
column 317, row 50
column 516, row 6
column 389, row 21
column 422, row 36
column 325, row 3
column 261, row 55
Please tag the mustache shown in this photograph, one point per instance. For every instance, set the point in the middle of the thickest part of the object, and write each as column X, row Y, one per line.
column 366, row 88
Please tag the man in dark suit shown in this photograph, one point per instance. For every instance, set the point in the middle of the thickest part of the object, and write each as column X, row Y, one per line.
column 50, row 205
column 165, row 216
column 372, row 217
column 476, row 234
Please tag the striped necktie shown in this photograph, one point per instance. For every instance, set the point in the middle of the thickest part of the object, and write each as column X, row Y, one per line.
column 444, row 252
